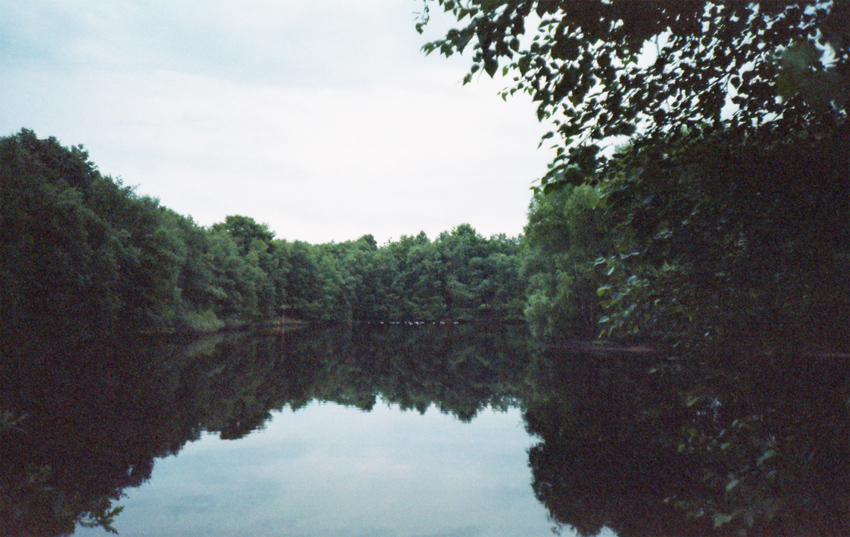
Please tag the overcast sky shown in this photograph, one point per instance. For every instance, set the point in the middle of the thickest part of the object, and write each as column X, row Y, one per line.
column 321, row 118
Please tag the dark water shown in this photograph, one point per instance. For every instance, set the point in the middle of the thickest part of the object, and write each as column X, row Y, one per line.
column 418, row 431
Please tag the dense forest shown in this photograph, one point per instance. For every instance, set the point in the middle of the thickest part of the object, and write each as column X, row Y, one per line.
column 750, row 246
column 701, row 180
column 83, row 254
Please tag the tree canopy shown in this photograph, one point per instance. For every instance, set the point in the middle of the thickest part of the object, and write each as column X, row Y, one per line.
column 604, row 69
column 715, row 137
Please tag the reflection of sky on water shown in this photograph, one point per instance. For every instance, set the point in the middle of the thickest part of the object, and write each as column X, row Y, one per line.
column 328, row 470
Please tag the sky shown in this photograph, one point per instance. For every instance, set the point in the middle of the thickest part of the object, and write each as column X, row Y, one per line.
column 321, row 118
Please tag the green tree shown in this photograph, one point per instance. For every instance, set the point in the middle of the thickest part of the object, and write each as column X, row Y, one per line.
column 421, row 283
column 733, row 240
column 567, row 232
column 314, row 283
column 255, row 279
column 244, row 231
column 457, row 249
column 198, row 291
column 728, row 205
column 81, row 254
column 46, row 259
column 368, row 274
column 601, row 69
column 499, row 290
column 151, row 261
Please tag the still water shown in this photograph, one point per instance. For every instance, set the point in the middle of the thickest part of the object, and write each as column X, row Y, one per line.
column 332, row 470
column 418, row 431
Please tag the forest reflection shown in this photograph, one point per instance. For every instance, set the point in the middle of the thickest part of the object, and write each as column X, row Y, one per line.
column 644, row 445
column 719, row 444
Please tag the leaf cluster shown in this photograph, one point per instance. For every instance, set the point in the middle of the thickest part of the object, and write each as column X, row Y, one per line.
column 605, row 70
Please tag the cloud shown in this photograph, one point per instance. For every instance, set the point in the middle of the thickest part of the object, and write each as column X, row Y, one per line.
column 322, row 119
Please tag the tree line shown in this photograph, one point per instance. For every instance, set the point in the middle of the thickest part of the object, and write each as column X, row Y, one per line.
column 703, row 244
column 84, row 254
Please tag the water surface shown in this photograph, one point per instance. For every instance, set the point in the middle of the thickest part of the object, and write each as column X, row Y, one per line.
column 419, row 431
column 332, row 470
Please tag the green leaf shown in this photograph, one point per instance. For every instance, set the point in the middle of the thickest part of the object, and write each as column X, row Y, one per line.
column 767, row 455
column 721, row 519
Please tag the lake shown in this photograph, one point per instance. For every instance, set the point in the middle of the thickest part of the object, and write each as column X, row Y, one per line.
column 418, row 431
column 333, row 470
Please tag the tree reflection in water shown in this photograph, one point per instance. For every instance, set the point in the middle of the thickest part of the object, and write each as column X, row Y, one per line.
column 81, row 423
column 719, row 445
column 647, row 446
